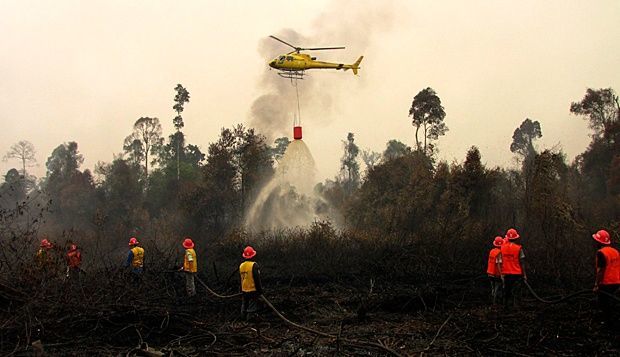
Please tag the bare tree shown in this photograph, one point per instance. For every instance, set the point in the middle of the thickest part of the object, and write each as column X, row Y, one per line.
column 23, row 151
column 370, row 158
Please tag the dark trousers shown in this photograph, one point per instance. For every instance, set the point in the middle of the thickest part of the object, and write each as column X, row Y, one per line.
column 511, row 284
column 73, row 274
column 136, row 276
column 249, row 303
column 496, row 288
column 606, row 302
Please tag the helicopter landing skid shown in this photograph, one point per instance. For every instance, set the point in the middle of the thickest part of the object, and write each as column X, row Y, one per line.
column 291, row 74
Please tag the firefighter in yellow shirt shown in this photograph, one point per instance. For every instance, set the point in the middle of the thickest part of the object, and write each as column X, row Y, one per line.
column 44, row 256
column 251, row 286
column 135, row 260
column 46, row 261
column 190, row 266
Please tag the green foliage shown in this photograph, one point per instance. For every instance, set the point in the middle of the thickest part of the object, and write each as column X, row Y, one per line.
column 180, row 99
column 167, row 154
column 120, row 193
column 71, row 191
column 395, row 149
column 237, row 165
column 64, row 161
column 600, row 107
column 143, row 141
column 281, row 144
column 523, row 138
column 427, row 113
column 13, row 190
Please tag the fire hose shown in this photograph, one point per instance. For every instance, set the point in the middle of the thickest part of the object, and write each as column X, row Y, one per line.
column 301, row 327
column 380, row 345
column 569, row 296
column 543, row 300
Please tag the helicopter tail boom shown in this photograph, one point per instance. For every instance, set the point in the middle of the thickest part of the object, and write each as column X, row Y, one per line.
column 355, row 66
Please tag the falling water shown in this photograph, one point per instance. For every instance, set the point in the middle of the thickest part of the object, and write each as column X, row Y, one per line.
column 288, row 199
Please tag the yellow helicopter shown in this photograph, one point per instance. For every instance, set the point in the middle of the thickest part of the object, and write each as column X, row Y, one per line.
column 293, row 64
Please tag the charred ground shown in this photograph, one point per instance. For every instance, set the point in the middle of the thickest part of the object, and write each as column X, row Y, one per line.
column 380, row 295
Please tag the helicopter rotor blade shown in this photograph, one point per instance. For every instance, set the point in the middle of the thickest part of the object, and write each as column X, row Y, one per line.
column 323, row 48
column 286, row 43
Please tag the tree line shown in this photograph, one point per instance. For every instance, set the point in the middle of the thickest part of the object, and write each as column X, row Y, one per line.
column 168, row 185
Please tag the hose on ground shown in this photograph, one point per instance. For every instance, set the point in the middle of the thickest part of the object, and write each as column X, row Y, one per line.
column 564, row 298
column 301, row 327
column 214, row 293
column 308, row 329
column 569, row 296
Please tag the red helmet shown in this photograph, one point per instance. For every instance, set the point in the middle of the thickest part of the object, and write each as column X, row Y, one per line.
column 602, row 237
column 46, row 243
column 512, row 234
column 73, row 248
column 187, row 243
column 133, row 241
column 498, row 241
column 249, row 252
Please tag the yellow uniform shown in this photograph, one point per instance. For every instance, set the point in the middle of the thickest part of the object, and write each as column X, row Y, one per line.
column 138, row 257
column 189, row 263
column 247, row 277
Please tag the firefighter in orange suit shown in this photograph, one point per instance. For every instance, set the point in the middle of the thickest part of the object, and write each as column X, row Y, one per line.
column 607, row 273
column 74, row 262
column 511, row 261
column 251, row 287
column 494, row 269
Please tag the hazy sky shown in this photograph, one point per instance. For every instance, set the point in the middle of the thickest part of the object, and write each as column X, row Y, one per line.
column 86, row 70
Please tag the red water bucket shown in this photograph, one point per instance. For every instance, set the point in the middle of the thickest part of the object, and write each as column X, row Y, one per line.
column 297, row 132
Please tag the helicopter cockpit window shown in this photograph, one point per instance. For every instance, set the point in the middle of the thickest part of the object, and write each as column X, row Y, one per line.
column 281, row 58
column 289, row 58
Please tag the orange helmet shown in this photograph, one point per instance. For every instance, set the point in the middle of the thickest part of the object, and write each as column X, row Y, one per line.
column 249, row 252
column 602, row 237
column 46, row 243
column 512, row 234
column 187, row 243
column 498, row 241
column 133, row 241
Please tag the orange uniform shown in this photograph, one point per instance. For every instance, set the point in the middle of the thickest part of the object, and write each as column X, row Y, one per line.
column 511, row 263
column 492, row 269
column 611, row 273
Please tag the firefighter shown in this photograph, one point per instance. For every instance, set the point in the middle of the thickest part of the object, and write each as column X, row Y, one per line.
column 44, row 254
column 251, row 287
column 494, row 269
column 74, row 262
column 607, row 273
column 135, row 259
column 511, row 260
column 190, row 266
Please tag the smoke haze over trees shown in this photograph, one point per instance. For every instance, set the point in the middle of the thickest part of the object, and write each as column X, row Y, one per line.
column 402, row 190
